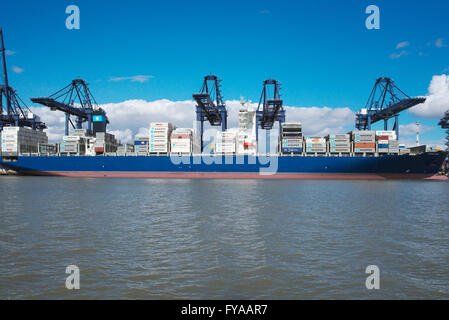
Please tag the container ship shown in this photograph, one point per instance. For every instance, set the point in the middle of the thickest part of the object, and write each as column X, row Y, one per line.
column 169, row 152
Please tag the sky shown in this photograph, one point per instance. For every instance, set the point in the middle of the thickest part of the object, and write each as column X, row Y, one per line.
column 145, row 59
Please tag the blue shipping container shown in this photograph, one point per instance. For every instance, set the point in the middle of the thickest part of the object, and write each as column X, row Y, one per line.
column 140, row 143
column 294, row 150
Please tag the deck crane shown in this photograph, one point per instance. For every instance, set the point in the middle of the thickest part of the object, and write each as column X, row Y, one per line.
column 75, row 99
column 385, row 102
column 210, row 105
column 444, row 123
column 270, row 108
column 16, row 112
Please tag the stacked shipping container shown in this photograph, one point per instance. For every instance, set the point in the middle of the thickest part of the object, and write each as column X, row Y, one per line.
column 159, row 137
column 105, row 142
column 46, row 148
column 183, row 141
column 225, row 142
column 73, row 145
column 124, row 149
column 364, row 141
column 141, row 145
column 291, row 137
column 18, row 140
column 339, row 143
column 384, row 138
column 315, row 144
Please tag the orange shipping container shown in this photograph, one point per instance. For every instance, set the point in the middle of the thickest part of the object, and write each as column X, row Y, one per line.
column 364, row 145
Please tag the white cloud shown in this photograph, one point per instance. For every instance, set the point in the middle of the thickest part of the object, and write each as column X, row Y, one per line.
column 402, row 44
column 139, row 78
column 437, row 99
column 10, row 53
column 410, row 129
column 17, row 69
column 439, row 43
column 398, row 55
column 133, row 117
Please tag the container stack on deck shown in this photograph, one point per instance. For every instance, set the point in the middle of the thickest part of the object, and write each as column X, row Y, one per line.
column 159, row 141
column 141, row 145
column 19, row 140
column 291, row 138
column 47, row 149
column 183, row 141
column 105, row 142
column 122, row 150
column 393, row 146
column 73, row 145
column 315, row 144
column 77, row 143
column 225, row 142
column 364, row 141
column 384, row 140
column 339, row 143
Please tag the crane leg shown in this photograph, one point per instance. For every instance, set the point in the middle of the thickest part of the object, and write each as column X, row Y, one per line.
column 67, row 119
column 396, row 125
column 267, row 141
column 89, row 123
column 224, row 121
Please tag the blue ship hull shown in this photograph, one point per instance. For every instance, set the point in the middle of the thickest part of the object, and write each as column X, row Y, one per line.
column 421, row 166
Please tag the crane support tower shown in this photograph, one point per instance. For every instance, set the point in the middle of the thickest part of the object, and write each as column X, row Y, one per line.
column 270, row 108
column 210, row 105
column 385, row 102
column 444, row 123
column 13, row 111
column 76, row 100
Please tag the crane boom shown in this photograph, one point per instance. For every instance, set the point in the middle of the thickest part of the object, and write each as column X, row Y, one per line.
column 75, row 100
column 385, row 102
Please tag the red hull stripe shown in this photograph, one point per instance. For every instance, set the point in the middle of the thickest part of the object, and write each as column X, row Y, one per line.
column 234, row 175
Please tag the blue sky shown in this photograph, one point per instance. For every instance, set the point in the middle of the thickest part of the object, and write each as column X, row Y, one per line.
column 321, row 51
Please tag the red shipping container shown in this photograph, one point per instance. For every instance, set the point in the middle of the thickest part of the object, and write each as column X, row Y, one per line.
column 364, row 145
column 383, row 137
column 181, row 136
column 99, row 149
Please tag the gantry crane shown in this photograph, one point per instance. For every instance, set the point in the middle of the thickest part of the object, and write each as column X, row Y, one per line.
column 76, row 100
column 270, row 108
column 16, row 112
column 210, row 105
column 385, row 102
